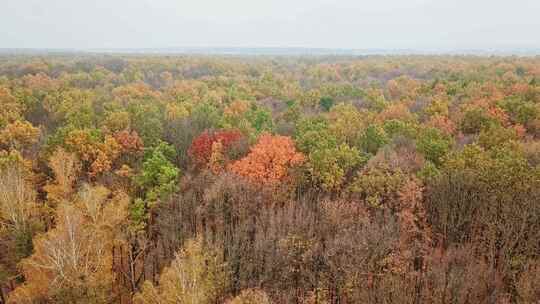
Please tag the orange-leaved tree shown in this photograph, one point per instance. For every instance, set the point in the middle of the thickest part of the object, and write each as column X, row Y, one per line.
column 269, row 160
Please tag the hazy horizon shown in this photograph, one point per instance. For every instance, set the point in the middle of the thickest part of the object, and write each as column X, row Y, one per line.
column 346, row 24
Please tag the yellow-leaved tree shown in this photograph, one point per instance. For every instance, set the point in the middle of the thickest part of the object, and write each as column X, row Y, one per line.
column 17, row 193
column 19, row 135
column 197, row 275
column 19, row 212
column 251, row 296
column 72, row 262
column 66, row 168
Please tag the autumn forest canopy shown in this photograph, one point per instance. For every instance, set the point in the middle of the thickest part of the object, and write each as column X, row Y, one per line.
column 154, row 179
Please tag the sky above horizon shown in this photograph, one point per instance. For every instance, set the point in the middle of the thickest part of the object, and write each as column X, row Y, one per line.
column 356, row 24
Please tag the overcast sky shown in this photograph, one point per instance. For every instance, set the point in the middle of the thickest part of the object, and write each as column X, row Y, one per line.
column 362, row 24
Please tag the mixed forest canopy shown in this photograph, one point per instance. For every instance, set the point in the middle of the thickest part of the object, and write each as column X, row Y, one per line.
column 258, row 179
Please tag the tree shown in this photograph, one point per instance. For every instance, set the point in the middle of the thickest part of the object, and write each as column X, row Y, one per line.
column 528, row 283
column 12, row 110
column 433, row 144
column 130, row 142
column 66, row 169
column 17, row 192
column 97, row 152
column 73, row 107
column 455, row 275
column 403, row 87
column 72, row 262
column 217, row 160
column 19, row 135
column 313, row 134
column 147, row 120
column 251, row 296
column 374, row 137
column 397, row 128
column 520, row 111
column 496, row 136
column 196, row 275
column 326, row 103
column 346, row 123
column 474, row 120
column 379, row 187
column 486, row 198
column 330, row 167
column 116, row 121
column 398, row 111
column 204, row 116
column 201, row 147
column 269, row 160
column 375, row 100
column 298, row 254
column 20, row 214
column 234, row 115
column 415, row 233
column 437, row 107
column 159, row 176
column 443, row 123
column 260, row 119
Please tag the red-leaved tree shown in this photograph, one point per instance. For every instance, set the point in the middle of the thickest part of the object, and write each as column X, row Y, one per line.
column 201, row 147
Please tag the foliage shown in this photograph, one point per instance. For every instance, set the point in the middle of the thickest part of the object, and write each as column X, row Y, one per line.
column 326, row 103
column 11, row 109
column 433, row 144
column 520, row 111
column 72, row 262
column 334, row 179
column 346, row 123
column 496, row 136
column 66, row 168
column 147, row 121
column 443, row 123
column 196, row 275
column 251, row 296
column 379, row 187
column 19, row 135
column 485, row 197
column 313, row 134
column 201, row 147
column 73, row 107
column 20, row 213
column 260, row 119
column 18, row 207
column 330, row 167
column 398, row 128
column 474, row 120
column 159, row 176
column 95, row 151
column 269, row 161
column 373, row 138
column 130, row 142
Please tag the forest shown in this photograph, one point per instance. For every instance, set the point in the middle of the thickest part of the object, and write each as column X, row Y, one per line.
column 161, row 179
